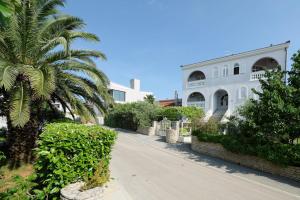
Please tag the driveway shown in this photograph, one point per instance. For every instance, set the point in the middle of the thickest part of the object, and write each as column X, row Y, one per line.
column 149, row 169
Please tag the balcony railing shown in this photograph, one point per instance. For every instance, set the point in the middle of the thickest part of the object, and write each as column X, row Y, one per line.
column 257, row 75
column 192, row 84
column 200, row 104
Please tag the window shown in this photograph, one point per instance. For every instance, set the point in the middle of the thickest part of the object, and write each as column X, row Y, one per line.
column 236, row 69
column 225, row 71
column 243, row 93
column 216, row 72
column 118, row 95
column 197, row 75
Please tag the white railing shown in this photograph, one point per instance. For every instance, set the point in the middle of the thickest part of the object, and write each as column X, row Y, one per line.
column 192, row 84
column 257, row 75
column 200, row 104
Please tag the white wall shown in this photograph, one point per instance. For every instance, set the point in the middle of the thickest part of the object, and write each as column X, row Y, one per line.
column 2, row 122
column 131, row 94
column 232, row 83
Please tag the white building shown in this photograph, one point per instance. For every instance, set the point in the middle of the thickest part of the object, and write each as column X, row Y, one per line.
column 222, row 84
column 123, row 94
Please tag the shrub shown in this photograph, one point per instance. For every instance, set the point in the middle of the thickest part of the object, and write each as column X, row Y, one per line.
column 69, row 152
column 281, row 154
column 177, row 113
column 132, row 115
column 209, row 127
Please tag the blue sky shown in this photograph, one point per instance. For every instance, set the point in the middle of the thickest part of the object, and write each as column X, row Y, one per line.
column 150, row 39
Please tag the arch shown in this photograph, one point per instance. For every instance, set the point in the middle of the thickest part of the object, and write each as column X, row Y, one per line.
column 195, row 97
column 220, row 100
column 196, row 76
column 266, row 63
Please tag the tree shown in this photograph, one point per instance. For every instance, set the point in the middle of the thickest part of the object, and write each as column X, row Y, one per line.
column 149, row 98
column 7, row 8
column 38, row 67
column 275, row 117
column 294, row 82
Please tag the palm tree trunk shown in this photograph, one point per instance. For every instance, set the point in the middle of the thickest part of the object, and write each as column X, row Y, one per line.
column 21, row 142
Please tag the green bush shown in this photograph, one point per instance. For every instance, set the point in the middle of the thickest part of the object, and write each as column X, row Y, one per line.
column 132, row 115
column 69, row 152
column 209, row 127
column 281, row 154
column 177, row 113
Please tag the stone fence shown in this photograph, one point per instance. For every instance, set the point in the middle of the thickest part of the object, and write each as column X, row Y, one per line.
column 217, row 150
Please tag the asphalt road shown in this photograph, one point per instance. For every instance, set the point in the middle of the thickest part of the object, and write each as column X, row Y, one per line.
column 149, row 169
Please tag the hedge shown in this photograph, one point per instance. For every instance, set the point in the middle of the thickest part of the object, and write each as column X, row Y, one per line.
column 131, row 116
column 69, row 152
column 281, row 154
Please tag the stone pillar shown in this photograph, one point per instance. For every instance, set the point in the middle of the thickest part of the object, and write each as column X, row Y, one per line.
column 172, row 136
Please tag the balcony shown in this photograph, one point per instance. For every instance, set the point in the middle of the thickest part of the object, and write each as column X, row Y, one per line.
column 200, row 104
column 194, row 84
column 254, row 76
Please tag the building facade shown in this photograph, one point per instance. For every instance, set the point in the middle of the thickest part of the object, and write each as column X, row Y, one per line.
column 123, row 94
column 221, row 85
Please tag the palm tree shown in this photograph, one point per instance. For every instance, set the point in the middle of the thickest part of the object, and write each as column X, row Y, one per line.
column 149, row 98
column 39, row 67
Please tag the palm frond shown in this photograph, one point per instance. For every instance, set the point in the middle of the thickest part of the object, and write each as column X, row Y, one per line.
column 8, row 75
column 20, row 106
column 42, row 81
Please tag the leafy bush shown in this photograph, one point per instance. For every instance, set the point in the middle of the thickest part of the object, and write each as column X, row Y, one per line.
column 69, row 152
column 281, row 154
column 209, row 127
column 177, row 113
column 132, row 115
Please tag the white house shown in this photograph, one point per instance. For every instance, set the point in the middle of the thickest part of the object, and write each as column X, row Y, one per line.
column 123, row 94
column 222, row 84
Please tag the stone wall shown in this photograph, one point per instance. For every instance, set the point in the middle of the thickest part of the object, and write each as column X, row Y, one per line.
column 217, row 150
column 146, row 130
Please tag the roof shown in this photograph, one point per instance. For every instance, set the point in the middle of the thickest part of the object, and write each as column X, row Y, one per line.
column 169, row 102
column 239, row 55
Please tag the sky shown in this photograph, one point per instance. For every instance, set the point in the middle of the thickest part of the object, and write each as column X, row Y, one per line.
column 150, row 39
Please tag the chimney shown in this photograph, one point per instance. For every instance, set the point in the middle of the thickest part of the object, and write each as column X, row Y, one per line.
column 135, row 84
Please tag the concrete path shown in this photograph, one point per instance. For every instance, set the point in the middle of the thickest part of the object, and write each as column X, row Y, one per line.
column 149, row 169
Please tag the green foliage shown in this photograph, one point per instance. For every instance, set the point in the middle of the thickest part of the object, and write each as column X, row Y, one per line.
column 100, row 177
column 177, row 113
column 149, row 98
column 171, row 113
column 21, row 190
column 209, row 127
column 275, row 117
column 132, row 115
column 281, row 154
column 38, row 64
column 69, row 152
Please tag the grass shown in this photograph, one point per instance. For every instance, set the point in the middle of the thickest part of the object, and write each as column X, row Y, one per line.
column 8, row 177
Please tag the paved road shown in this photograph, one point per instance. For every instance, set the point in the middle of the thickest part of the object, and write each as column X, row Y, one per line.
column 150, row 169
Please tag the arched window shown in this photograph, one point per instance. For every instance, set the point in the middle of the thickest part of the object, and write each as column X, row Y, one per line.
column 196, row 76
column 236, row 69
column 265, row 64
column 196, row 97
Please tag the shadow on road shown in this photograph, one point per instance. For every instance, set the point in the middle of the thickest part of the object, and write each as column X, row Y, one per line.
column 228, row 166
